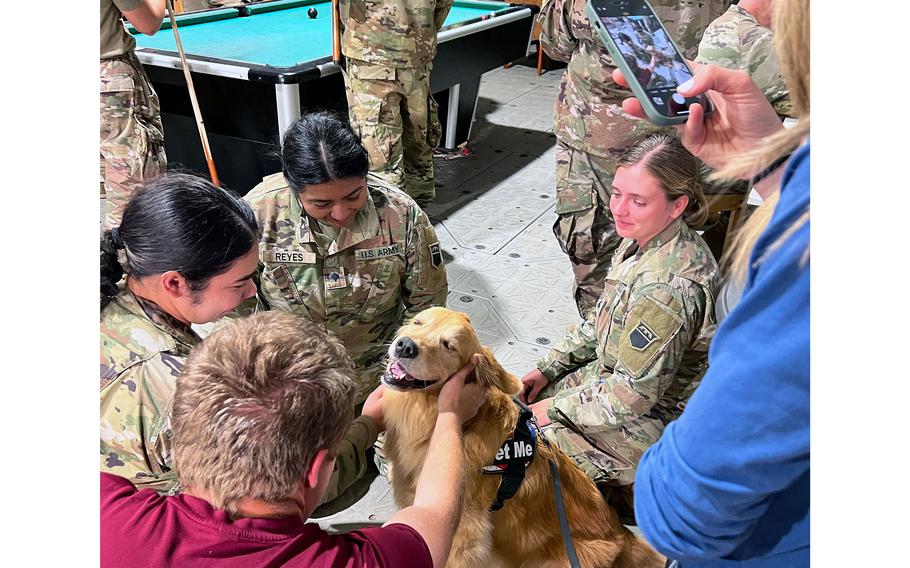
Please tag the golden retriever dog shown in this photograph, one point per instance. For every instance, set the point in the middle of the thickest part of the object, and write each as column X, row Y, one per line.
column 525, row 532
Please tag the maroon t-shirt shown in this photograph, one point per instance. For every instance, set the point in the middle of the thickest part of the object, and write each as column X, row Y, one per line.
column 142, row 528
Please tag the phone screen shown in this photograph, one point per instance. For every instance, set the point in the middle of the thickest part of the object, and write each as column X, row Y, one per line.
column 644, row 44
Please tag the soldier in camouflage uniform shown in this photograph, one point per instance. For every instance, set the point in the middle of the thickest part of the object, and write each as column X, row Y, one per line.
column 143, row 350
column 623, row 374
column 742, row 39
column 592, row 131
column 132, row 137
column 389, row 48
column 359, row 281
column 144, row 347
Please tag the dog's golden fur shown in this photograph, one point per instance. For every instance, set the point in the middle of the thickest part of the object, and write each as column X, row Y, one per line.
column 525, row 532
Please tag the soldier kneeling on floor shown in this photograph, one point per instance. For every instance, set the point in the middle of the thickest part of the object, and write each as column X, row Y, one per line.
column 615, row 381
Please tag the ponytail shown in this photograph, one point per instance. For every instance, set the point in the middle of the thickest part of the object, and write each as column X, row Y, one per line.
column 181, row 222
column 111, row 269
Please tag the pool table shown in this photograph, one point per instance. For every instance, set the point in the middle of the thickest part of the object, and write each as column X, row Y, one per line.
column 258, row 66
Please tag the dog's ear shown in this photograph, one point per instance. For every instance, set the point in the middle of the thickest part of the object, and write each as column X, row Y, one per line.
column 490, row 373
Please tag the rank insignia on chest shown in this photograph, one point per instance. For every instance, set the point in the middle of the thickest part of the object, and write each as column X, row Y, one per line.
column 435, row 255
column 642, row 336
column 334, row 278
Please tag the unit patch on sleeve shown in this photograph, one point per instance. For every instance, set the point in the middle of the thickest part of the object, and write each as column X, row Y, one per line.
column 642, row 336
column 379, row 252
column 288, row 256
column 435, row 255
column 650, row 327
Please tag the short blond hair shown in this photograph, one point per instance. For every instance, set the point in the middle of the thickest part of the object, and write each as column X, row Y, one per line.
column 676, row 170
column 257, row 399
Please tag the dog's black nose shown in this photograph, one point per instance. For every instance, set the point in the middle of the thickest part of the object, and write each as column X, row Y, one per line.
column 405, row 348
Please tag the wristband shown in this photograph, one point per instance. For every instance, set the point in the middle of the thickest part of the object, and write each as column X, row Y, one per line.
column 771, row 167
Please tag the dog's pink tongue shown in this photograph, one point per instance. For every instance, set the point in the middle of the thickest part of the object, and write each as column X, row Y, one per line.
column 398, row 371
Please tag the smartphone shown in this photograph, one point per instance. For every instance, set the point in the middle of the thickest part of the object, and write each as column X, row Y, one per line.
column 643, row 50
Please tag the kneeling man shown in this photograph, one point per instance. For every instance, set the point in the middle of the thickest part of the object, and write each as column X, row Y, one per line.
column 259, row 411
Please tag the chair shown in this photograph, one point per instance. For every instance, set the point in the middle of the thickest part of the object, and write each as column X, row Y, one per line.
column 729, row 198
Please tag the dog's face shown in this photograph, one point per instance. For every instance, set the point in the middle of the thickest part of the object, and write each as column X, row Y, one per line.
column 433, row 346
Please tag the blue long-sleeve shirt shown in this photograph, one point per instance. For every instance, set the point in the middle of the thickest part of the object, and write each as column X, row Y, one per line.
column 728, row 482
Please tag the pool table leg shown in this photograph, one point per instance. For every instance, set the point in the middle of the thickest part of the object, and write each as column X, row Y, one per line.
column 287, row 100
column 449, row 140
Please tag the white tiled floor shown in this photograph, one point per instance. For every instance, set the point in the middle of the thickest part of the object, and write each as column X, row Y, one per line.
column 494, row 216
column 505, row 266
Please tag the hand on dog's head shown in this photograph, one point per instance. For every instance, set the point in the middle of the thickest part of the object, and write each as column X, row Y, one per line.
column 433, row 345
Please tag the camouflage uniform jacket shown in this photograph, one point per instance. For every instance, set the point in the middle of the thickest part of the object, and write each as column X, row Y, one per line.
column 393, row 33
column 143, row 351
column 645, row 345
column 588, row 104
column 737, row 41
column 359, row 285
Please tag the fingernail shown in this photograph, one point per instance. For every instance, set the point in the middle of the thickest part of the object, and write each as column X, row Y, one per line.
column 685, row 86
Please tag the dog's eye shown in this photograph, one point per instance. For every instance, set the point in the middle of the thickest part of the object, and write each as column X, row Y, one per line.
column 416, row 322
column 447, row 345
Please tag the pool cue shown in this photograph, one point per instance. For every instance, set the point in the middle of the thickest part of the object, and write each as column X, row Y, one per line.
column 336, row 33
column 213, row 173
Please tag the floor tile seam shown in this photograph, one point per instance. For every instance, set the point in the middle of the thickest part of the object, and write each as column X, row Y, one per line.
column 462, row 245
column 528, row 224
column 468, row 223
column 466, row 180
column 496, row 311
column 498, row 103
column 475, row 295
column 530, row 285
column 479, row 250
column 537, row 345
column 530, row 86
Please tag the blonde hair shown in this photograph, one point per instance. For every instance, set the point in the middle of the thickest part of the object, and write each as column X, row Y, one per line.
column 257, row 399
column 791, row 42
column 676, row 170
column 736, row 258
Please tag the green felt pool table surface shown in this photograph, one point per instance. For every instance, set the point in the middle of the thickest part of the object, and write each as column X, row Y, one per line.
column 281, row 37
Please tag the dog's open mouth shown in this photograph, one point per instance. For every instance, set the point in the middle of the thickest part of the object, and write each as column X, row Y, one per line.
column 397, row 377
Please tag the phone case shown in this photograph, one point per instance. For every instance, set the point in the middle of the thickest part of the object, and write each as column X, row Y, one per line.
column 637, row 90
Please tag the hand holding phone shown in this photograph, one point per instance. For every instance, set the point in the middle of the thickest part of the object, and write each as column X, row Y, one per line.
column 742, row 120
column 643, row 50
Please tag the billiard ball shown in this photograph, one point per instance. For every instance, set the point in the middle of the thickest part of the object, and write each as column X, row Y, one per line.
column 312, row 13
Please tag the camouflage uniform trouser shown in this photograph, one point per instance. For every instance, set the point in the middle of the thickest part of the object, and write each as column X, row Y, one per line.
column 609, row 457
column 394, row 112
column 132, row 137
column 584, row 225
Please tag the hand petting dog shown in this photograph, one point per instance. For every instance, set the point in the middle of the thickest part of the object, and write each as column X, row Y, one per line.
column 462, row 400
